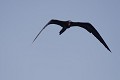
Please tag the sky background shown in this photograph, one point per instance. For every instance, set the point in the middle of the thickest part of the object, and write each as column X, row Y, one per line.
column 74, row 55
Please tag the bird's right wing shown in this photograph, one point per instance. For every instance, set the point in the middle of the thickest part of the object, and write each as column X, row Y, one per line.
column 92, row 30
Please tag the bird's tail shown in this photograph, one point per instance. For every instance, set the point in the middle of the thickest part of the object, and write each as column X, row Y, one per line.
column 62, row 30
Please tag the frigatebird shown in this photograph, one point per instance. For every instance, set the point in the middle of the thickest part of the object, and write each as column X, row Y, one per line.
column 67, row 24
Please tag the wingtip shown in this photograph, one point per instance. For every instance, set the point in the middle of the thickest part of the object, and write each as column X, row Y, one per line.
column 32, row 42
column 110, row 50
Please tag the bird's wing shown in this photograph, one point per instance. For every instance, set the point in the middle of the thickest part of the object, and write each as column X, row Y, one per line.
column 41, row 31
column 92, row 30
column 57, row 22
column 53, row 21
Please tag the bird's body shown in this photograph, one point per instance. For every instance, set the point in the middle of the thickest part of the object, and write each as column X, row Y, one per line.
column 67, row 24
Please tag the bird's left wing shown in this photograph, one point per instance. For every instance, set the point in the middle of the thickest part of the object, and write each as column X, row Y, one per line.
column 41, row 30
column 92, row 30
column 53, row 21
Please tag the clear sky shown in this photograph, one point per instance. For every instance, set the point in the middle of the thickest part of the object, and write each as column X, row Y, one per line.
column 74, row 55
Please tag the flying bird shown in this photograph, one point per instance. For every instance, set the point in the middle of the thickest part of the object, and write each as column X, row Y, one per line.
column 67, row 24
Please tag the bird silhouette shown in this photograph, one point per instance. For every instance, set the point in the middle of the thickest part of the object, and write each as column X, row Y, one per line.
column 67, row 24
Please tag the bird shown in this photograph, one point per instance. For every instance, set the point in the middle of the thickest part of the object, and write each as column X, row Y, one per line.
column 67, row 24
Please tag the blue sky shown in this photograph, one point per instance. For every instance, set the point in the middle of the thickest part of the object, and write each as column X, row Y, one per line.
column 74, row 55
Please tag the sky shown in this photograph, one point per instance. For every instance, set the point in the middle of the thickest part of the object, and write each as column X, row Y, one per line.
column 74, row 55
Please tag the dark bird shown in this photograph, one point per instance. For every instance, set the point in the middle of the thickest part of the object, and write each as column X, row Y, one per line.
column 67, row 24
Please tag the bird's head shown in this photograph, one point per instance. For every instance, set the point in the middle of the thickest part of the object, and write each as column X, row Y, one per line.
column 69, row 22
